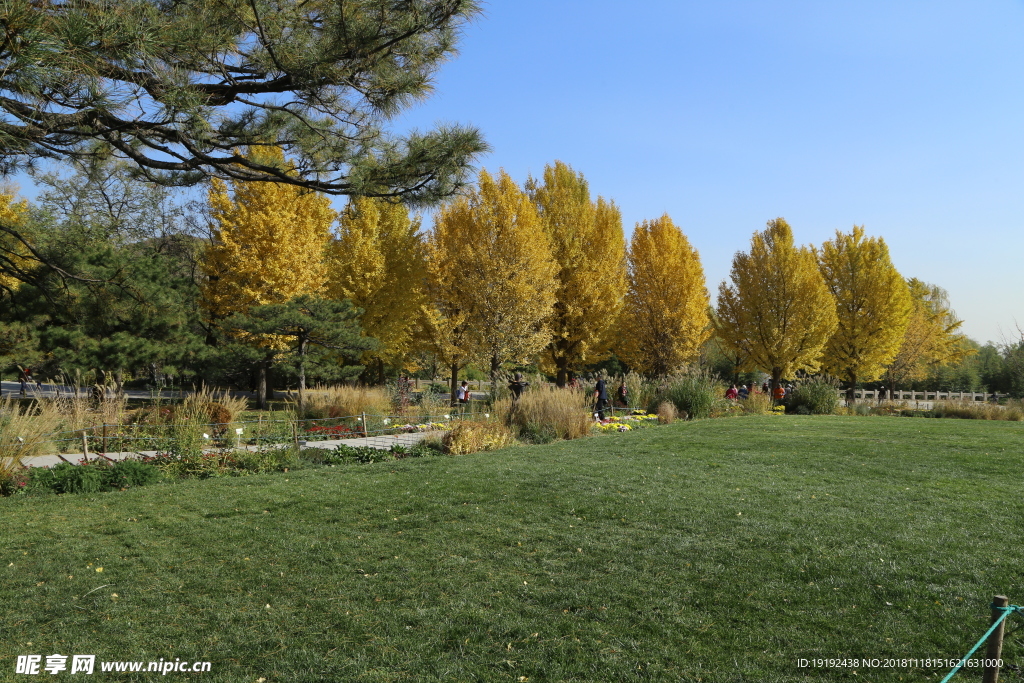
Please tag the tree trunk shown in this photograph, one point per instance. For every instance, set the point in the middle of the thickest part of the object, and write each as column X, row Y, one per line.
column 851, row 395
column 454, row 384
column 302, row 378
column 562, row 378
column 776, row 380
column 380, row 371
column 261, row 384
column 495, row 366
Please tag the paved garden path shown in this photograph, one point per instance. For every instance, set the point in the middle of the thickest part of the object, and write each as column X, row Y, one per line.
column 383, row 442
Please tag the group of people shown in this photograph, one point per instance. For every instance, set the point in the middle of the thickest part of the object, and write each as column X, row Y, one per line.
column 742, row 392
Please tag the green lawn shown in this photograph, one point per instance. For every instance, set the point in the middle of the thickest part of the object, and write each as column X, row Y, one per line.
column 721, row 550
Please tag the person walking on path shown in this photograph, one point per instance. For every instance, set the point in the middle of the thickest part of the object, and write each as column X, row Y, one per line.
column 601, row 397
column 517, row 386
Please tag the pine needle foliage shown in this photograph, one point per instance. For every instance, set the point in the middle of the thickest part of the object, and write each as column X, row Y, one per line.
column 176, row 88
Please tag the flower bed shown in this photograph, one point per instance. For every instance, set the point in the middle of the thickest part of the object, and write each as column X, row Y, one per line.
column 626, row 423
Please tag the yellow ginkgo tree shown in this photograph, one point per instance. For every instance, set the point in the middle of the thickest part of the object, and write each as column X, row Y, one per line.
column 377, row 261
column 777, row 313
column 931, row 337
column 665, row 318
column 873, row 306
column 267, row 246
column 16, row 259
column 589, row 249
column 490, row 278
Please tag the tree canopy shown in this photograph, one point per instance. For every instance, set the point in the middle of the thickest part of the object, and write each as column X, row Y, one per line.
column 872, row 306
column 665, row 320
column 309, row 327
column 179, row 88
column 490, row 278
column 589, row 248
column 377, row 261
column 778, row 313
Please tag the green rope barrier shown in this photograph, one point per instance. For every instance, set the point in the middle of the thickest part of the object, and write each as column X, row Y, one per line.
column 1006, row 612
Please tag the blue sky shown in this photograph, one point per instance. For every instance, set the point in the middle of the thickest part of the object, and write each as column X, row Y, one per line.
column 905, row 117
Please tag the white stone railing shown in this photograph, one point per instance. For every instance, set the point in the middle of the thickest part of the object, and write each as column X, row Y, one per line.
column 970, row 396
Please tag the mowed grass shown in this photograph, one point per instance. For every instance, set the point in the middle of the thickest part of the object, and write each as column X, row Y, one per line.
column 721, row 550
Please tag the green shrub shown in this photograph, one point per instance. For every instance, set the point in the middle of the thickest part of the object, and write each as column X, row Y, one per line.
column 693, row 395
column 66, row 478
column 814, row 397
column 91, row 478
column 264, row 460
column 353, row 454
column 317, row 456
column 420, row 449
column 127, row 473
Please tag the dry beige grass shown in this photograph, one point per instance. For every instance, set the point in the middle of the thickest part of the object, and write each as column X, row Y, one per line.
column 757, row 403
column 208, row 405
column 474, row 437
column 1012, row 411
column 549, row 411
column 24, row 433
column 346, row 401
column 667, row 413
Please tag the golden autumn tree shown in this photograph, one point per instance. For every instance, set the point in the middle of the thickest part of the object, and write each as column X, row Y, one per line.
column 589, row 249
column 872, row 306
column 931, row 337
column 664, row 322
column 490, row 278
column 378, row 262
column 777, row 313
column 16, row 261
column 268, row 246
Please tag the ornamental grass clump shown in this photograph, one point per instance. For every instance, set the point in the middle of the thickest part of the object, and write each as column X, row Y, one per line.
column 25, row 432
column 667, row 413
column 965, row 410
column 756, row 403
column 694, row 394
column 210, row 407
column 548, row 413
column 474, row 437
column 640, row 391
column 814, row 397
column 345, row 401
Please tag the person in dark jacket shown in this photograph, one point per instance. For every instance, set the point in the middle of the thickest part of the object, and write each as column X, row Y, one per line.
column 601, row 397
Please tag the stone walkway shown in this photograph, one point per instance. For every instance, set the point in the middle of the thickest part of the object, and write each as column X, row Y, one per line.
column 383, row 442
